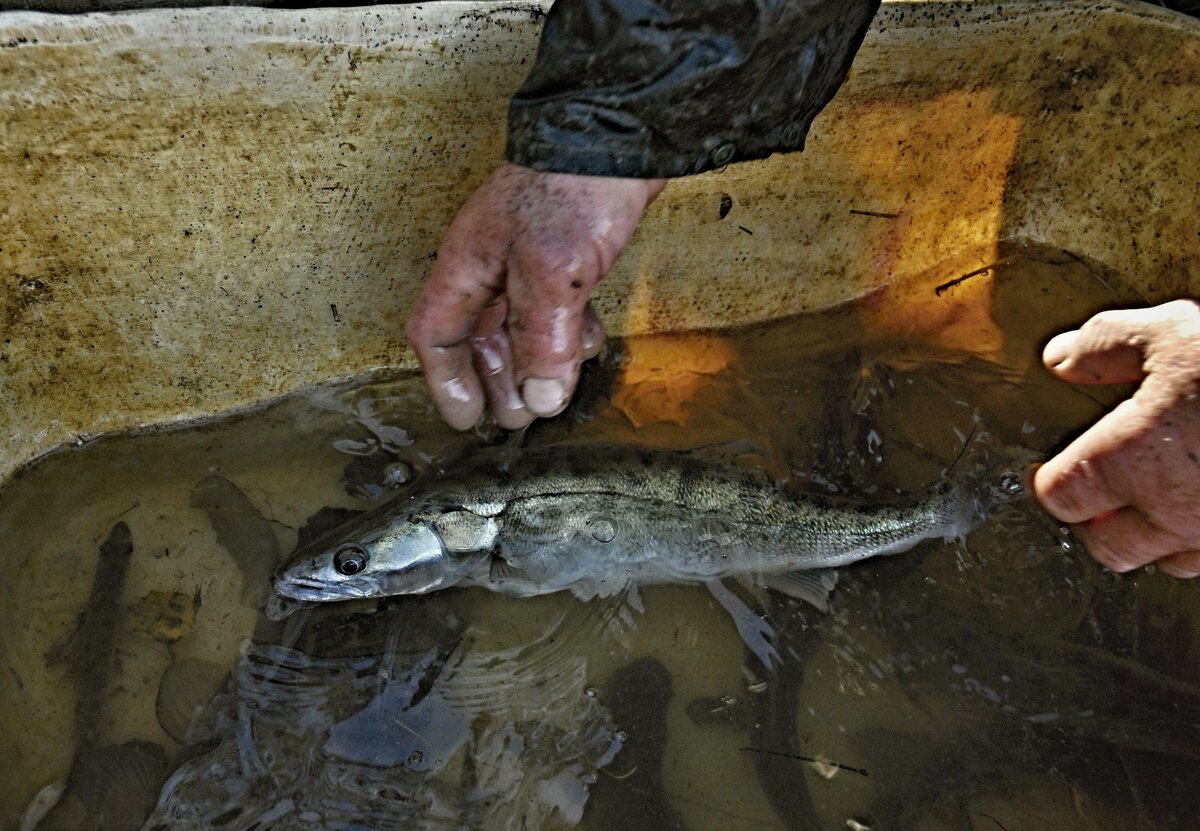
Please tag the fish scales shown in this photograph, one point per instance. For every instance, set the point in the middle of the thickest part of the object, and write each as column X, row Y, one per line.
column 593, row 519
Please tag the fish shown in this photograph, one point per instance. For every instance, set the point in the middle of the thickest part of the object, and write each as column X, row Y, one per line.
column 598, row 519
column 89, row 650
column 112, row 786
column 242, row 531
column 186, row 687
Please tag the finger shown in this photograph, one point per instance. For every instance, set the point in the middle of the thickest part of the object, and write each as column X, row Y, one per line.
column 1183, row 564
column 1108, row 349
column 591, row 342
column 1124, row 540
column 494, row 365
column 462, row 284
column 452, row 383
column 546, row 300
column 1081, row 481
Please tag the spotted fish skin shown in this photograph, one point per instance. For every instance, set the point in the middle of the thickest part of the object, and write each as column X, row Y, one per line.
column 596, row 518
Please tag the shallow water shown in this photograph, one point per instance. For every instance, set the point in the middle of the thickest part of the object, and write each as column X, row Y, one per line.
column 1006, row 682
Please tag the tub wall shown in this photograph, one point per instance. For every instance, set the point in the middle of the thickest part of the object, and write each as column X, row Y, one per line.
column 201, row 209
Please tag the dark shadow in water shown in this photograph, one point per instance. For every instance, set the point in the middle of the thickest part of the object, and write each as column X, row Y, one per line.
column 109, row 787
column 630, row 794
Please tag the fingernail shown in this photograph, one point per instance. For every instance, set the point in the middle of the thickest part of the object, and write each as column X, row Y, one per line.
column 587, row 341
column 456, row 390
column 457, row 405
column 1059, row 349
column 544, row 396
column 493, row 361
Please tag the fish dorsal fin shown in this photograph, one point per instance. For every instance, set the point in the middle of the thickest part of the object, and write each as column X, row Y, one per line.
column 465, row 531
column 811, row 585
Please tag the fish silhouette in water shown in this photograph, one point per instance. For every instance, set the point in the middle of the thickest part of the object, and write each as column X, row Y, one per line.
column 110, row 787
column 185, row 689
column 634, row 797
column 396, row 720
column 88, row 652
column 595, row 520
column 242, row 531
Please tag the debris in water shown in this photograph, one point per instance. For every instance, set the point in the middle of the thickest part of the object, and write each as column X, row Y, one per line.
column 164, row 616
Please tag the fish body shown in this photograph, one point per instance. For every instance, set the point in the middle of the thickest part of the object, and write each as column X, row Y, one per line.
column 89, row 650
column 242, row 531
column 595, row 519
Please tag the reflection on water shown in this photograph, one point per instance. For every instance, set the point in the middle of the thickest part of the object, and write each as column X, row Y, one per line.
column 397, row 719
column 1001, row 682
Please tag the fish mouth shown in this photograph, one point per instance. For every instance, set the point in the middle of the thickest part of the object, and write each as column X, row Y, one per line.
column 299, row 588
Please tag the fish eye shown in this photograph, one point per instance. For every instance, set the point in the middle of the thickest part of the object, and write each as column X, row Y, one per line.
column 1011, row 484
column 350, row 559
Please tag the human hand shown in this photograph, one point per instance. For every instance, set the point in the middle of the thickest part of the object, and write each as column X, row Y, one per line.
column 1132, row 481
column 505, row 314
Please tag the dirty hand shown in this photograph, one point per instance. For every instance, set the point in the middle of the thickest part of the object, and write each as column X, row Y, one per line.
column 1132, row 481
column 505, row 313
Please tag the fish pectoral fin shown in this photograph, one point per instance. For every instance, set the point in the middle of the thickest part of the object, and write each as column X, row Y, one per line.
column 756, row 632
column 811, row 585
column 504, row 577
column 502, row 571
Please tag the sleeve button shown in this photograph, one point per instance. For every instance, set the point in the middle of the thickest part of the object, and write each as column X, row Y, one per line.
column 723, row 154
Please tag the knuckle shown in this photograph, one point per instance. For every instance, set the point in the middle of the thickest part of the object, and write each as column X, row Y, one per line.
column 1129, row 539
column 1109, row 552
column 1106, row 319
column 553, row 264
column 1183, row 310
column 1183, row 564
column 416, row 330
column 1071, row 493
column 425, row 336
column 492, row 355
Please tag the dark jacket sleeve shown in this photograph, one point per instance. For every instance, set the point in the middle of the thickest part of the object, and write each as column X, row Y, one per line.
column 659, row 88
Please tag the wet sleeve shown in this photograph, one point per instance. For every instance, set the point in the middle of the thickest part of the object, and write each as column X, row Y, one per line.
column 663, row 88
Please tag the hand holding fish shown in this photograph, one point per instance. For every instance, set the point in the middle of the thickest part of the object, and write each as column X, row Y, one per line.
column 505, row 314
column 1131, row 483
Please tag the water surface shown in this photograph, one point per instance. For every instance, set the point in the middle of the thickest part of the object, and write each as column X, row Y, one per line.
column 1004, row 682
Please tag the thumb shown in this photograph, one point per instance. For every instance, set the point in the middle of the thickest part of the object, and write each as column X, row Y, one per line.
column 1107, row 349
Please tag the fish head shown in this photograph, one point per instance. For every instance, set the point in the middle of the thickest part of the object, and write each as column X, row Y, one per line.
column 374, row 557
column 999, row 475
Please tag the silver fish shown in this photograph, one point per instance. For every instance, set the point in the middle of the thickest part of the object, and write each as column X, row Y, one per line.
column 596, row 519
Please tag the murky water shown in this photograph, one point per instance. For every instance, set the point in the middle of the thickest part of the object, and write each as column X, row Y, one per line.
column 1007, row 682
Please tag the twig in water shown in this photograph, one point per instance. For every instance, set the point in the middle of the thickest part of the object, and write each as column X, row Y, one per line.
column 993, row 819
column 949, row 284
column 799, row 758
